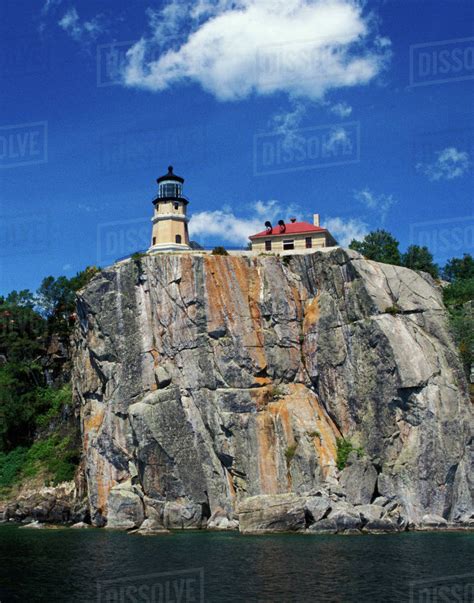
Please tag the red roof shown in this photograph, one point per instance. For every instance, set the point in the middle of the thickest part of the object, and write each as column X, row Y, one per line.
column 290, row 229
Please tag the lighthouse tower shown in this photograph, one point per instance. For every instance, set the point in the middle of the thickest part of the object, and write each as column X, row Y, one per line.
column 170, row 224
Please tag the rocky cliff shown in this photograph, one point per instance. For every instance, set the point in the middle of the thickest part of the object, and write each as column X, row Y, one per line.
column 215, row 390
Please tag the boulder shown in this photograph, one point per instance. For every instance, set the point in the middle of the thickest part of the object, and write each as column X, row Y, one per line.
column 150, row 527
column 272, row 513
column 370, row 512
column 125, row 507
column 384, row 524
column 323, row 526
column 317, row 507
column 432, row 521
column 346, row 520
column 358, row 479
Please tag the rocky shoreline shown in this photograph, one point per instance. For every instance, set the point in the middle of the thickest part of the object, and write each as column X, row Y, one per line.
column 322, row 511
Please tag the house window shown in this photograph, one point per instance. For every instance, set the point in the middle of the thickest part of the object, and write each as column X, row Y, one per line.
column 268, row 245
column 288, row 244
column 178, row 239
column 309, row 242
column 154, row 240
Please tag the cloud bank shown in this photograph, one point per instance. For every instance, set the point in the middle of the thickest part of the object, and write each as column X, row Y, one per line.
column 238, row 48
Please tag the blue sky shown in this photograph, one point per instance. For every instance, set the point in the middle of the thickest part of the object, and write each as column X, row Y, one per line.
column 361, row 112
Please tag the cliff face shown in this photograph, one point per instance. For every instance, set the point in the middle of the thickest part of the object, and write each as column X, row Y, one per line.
column 205, row 380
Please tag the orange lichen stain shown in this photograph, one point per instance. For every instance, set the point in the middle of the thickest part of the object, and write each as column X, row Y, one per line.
column 262, row 381
column 104, row 483
column 295, row 294
column 156, row 356
column 311, row 315
column 232, row 287
column 153, row 387
column 231, row 484
column 300, row 412
column 93, row 422
column 267, row 454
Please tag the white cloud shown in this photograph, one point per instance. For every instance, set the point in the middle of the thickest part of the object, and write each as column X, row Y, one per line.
column 227, row 227
column 286, row 123
column 449, row 164
column 344, row 231
column 80, row 30
column 379, row 204
column 234, row 49
column 50, row 5
column 341, row 109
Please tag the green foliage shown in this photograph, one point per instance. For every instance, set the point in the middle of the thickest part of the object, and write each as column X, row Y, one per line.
column 459, row 292
column 314, row 434
column 459, row 268
column 344, row 448
column 395, row 309
column 380, row 246
column 56, row 298
column 54, row 400
column 219, row 251
column 290, row 452
column 276, row 392
column 420, row 258
column 10, row 466
column 55, row 455
column 136, row 257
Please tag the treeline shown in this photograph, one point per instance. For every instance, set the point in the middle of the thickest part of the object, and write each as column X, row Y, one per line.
column 456, row 276
column 33, row 393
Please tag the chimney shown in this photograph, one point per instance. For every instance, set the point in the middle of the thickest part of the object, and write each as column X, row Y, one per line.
column 316, row 219
column 292, row 220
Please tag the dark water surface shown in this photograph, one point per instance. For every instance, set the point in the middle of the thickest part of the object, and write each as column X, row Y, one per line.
column 100, row 565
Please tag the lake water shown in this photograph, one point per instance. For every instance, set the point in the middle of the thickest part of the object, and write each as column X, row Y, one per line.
column 100, row 565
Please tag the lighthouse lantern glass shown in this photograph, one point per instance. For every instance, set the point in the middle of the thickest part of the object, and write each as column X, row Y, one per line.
column 170, row 189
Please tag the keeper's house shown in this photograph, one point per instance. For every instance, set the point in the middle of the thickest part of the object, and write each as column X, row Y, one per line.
column 294, row 236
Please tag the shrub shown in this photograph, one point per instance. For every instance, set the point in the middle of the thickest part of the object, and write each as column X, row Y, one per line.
column 344, row 448
column 395, row 309
column 11, row 465
column 276, row 392
column 290, row 452
column 314, row 434
column 219, row 251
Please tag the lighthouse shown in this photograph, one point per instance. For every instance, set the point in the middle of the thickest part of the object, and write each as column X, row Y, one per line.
column 170, row 223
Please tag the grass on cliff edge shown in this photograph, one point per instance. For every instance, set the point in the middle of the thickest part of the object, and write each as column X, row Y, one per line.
column 53, row 458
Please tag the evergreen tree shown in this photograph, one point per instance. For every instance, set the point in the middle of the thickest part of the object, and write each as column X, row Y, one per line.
column 380, row 246
column 420, row 258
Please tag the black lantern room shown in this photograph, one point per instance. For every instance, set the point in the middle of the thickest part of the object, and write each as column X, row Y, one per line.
column 170, row 187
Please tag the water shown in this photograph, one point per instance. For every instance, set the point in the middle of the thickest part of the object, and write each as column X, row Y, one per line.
column 100, row 565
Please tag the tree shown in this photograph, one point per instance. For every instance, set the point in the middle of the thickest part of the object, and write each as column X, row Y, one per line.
column 380, row 246
column 420, row 258
column 459, row 268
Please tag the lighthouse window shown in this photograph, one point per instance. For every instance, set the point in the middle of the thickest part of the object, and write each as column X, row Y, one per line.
column 288, row 244
column 176, row 205
column 178, row 239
